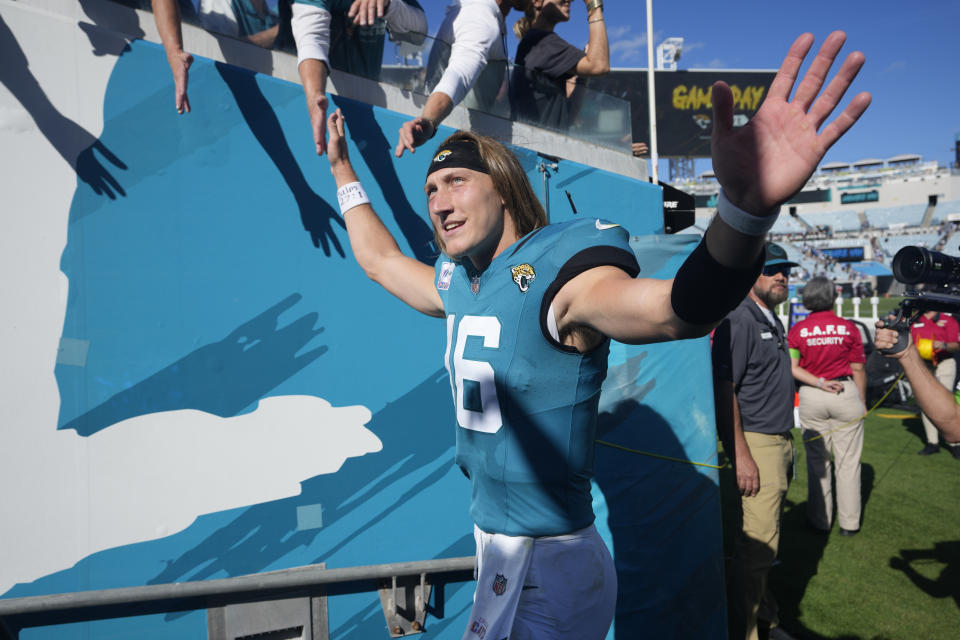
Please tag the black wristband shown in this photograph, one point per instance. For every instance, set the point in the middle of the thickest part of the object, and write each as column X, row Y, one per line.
column 704, row 291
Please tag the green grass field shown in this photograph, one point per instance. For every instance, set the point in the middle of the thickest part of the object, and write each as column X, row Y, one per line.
column 884, row 306
column 899, row 578
column 866, row 309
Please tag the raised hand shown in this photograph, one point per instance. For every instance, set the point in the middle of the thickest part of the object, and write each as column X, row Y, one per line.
column 317, row 107
column 413, row 134
column 180, row 66
column 337, row 145
column 366, row 12
column 764, row 163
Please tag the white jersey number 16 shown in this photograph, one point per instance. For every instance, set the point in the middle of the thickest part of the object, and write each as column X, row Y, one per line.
column 488, row 419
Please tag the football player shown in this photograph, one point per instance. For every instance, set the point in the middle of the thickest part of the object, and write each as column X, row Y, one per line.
column 529, row 310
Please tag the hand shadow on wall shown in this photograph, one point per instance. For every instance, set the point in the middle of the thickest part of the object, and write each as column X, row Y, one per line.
column 74, row 143
column 316, row 215
column 376, row 151
column 221, row 378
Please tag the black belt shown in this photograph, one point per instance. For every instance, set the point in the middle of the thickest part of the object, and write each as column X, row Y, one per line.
column 842, row 378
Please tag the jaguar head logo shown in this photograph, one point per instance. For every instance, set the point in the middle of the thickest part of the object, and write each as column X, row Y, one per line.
column 523, row 275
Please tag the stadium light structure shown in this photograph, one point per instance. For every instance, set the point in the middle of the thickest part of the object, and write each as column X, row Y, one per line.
column 668, row 53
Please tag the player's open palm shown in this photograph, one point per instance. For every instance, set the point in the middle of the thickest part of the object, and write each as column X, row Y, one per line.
column 764, row 163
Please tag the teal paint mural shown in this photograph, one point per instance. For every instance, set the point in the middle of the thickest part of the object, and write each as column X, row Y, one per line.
column 219, row 275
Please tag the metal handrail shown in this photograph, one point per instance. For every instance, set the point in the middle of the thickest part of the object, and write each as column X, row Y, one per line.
column 311, row 580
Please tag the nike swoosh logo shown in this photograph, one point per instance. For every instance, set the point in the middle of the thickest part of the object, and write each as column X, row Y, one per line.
column 529, row 586
column 603, row 225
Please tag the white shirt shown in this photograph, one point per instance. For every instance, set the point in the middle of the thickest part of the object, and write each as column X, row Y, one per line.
column 476, row 31
column 311, row 27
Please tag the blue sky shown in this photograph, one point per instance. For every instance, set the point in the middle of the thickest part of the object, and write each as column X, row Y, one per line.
column 912, row 51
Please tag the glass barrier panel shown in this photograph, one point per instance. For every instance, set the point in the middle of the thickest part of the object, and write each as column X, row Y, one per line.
column 516, row 93
column 416, row 62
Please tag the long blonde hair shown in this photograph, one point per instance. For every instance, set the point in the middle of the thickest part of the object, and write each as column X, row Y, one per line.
column 510, row 181
column 521, row 26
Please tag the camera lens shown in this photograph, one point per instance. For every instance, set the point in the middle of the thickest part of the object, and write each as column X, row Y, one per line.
column 916, row 264
column 908, row 265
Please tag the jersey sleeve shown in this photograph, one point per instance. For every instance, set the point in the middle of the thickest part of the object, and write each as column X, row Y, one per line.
column 584, row 246
column 443, row 270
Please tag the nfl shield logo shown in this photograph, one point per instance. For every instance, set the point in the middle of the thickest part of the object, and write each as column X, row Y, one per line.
column 499, row 584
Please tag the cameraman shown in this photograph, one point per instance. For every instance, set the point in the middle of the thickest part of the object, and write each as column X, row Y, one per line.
column 941, row 406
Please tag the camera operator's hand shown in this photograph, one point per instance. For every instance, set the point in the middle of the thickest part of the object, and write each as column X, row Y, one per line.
column 934, row 399
column 891, row 342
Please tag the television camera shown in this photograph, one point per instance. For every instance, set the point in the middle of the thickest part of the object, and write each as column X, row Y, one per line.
column 937, row 273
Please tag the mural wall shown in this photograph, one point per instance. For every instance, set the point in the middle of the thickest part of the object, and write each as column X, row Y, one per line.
column 201, row 383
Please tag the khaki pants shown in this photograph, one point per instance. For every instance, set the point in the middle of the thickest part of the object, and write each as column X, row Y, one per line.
column 759, row 538
column 945, row 373
column 831, row 425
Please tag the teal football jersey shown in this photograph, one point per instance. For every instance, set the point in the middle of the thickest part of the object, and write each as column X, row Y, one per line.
column 526, row 405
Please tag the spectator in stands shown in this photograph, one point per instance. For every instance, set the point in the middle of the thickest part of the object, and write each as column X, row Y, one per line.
column 543, row 86
column 826, row 355
column 754, row 389
column 937, row 336
column 347, row 34
column 472, row 35
column 254, row 22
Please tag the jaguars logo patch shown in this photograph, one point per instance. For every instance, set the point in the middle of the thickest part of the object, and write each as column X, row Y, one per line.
column 523, row 275
column 440, row 157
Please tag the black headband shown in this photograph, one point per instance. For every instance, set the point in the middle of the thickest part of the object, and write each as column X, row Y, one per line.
column 458, row 153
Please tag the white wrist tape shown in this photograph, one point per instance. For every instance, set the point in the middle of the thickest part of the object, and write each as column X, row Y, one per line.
column 351, row 195
column 741, row 220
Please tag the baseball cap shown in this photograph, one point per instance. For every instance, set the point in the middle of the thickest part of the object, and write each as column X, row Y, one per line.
column 777, row 255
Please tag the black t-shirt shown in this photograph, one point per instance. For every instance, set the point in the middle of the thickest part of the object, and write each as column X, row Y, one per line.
column 537, row 86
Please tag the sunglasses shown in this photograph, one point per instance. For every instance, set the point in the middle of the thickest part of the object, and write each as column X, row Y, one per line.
column 774, row 269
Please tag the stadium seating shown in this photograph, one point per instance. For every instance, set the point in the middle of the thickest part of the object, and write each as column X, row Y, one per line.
column 892, row 244
column 787, row 224
column 944, row 209
column 844, row 220
column 909, row 215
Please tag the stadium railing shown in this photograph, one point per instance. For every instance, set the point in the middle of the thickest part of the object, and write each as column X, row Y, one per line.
column 405, row 592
